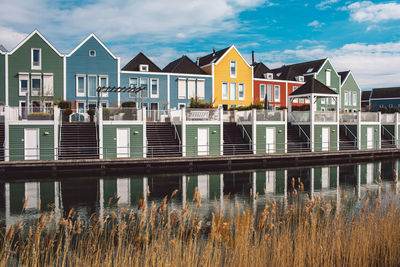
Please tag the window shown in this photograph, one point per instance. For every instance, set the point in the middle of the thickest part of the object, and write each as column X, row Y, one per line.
column 181, row 88
column 103, row 82
column 262, row 92
column 92, row 53
column 133, row 83
column 269, row 92
column 301, row 100
column 233, row 69
column 241, row 91
column 36, row 83
column 307, row 101
column 323, row 101
column 390, row 105
column 354, row 99
column 104, row 104
column 92, row 105
column 23, row 84
column 80, row 85
column 233, row 106
column 277, row 90
column 36, row 58
column 48, row 106
column 328, row 77
column 143, row 67
column 346, row 99
column 191, row 88
column 310, row 70
column 144, row 83
column 224, row 91
column 201, row 89
column 233, row 91
column 48, row 85
column 92, row 85
column 154, row 88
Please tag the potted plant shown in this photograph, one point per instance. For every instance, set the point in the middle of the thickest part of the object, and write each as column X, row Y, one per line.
column 66, row 114
column 106, row 114
column 91, row 112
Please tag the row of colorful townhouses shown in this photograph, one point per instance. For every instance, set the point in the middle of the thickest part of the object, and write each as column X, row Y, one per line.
column 36, row 72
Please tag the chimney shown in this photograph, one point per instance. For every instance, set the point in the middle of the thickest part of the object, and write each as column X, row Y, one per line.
column 198, row 61
column 252, row 58
column 213, row 51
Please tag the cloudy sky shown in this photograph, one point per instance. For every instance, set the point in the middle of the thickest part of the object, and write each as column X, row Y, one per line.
column 363, row 36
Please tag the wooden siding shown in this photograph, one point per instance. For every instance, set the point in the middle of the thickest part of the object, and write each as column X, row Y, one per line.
column 110, row 140
column 191, row 139
column 279, row 137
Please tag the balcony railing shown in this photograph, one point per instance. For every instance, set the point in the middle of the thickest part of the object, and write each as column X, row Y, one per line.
column 244, row 116
column 388, row 118
column 299, row 116
column 122, row 114
column 269, row 115
column 31, row 113
column 348, row 117
column 325, row 116
column 370, row 116
column 202, row 115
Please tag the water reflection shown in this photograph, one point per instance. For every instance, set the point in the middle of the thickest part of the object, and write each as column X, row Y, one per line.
column 26, row 200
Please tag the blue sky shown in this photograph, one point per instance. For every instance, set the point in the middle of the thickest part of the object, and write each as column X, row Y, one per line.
column 363, row 36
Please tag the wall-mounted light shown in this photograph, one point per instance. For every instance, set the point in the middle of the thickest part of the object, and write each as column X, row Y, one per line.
column 136, row 132
column 214, row 132
column 333, row 130
column 280, row 131
column 376, row 130
column 46, row 133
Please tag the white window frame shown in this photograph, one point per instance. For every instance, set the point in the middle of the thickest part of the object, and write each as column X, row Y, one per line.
column 97, row 83
column 323, row 100
column 201, row 97
column 346, row 98
column 144, row 67
column 226, row 97
column 92, row 51
column 277, row 99
column 244, row 92
column 20, row 76
column 43, row 85
column 39, row 77
column 328, row 79
column 182, row 81
column 354, row 99
column 232, row 75
column 301, row 100
column 77, row 84
column 230, row 91
column 191, row 81
column 40, row 59
column 262, row 95
column 271, row 94
column 132, row 95
column 151, row 88
column 147, row 89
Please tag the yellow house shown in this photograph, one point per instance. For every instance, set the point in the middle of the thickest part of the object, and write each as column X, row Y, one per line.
column 232, row 77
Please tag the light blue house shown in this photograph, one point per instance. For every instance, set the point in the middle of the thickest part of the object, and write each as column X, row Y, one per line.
column 186, row 81
column 89, row 65
column 142, row 72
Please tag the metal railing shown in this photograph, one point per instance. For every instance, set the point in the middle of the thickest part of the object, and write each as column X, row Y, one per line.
column 202, row 114
column 270, row 115
column 244, row 116
column 228, row 116
column 392, row 137
column 122, row 114
column 177, row 136
column 157, row 115
column 347, row 130
column 245, row 134
column 175, row 115
column 31, row 113
column 77, row 115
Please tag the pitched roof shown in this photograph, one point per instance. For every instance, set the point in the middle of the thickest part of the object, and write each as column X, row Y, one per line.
column 141, row 59
column 365, row 95
column 289, row 72
column 213, row 57
column 343, row 75
column 3, row 49
column 313, row 86
column 29, row 37
column 86, row 39
column 390, row 92
column 183, row 65
column 260, row 69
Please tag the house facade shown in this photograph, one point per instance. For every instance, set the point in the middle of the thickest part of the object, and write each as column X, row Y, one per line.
column 186, row 81
column 90, row 65
column 350, row 93
column 365, row 95
column 142, row 72
column 233, row 77
column 35, row 68
column 384, row 97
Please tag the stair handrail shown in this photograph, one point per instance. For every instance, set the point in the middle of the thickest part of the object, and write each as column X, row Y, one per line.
column 348, row 130
column 97, row 134
column 293, row 121
column 177, row 135
column 391, row 135
column 244, row 131
column 60, row 130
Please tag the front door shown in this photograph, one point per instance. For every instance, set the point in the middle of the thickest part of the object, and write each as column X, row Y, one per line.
column 370, row 173
column 123, row 143
column 325, row 139
column 31, row 144
column 325, row 177
column 270, row 179
column 202, row 184
column 202, row 141
column 370, row 137
column 270, row 140
column 123, row 190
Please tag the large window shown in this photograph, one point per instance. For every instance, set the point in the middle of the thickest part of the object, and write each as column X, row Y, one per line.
column 354, row 99
column 154, row 88
column 201, row 89
column 92, row 85
column 241, row 91
column 23, row 84
column 181, row 88
column 103, row 82
column 233, row 91
column 48, row 85
column 346, row 99
column 80, row 85
column 192, row 88
column 277, row 91
column 133, row 83
column 328, row 77
column 36, row 58
column 262, row 92
column 144, row 83
column 36, row 83
column 233, row 69
column 224, row 91
column 269, row 92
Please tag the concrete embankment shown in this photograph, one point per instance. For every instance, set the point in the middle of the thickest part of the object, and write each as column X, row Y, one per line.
column 69, row 168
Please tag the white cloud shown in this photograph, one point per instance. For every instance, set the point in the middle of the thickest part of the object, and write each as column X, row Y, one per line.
column 316, row 24
column 367, row 11
column 10, row 38
column 326, row 4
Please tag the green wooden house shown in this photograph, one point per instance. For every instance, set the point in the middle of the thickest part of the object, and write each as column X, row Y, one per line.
column 350, row 93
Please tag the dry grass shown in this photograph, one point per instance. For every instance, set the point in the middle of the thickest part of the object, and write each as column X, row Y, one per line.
column 313, row 232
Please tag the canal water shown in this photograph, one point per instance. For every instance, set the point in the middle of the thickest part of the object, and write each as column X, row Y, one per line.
column 26, row 199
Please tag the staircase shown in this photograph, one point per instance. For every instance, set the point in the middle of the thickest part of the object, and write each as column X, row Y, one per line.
column 345, row 143
column 1, row 141
column 161, row 140
column 387, row 142
column 234, row 143
column 296, row 143
column 78, row 141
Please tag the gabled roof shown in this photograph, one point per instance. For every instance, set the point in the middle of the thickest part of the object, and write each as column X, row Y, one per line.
column 260, row 69
column 3, row 49
column 183, row 65
column 313, row 86
column 213, row 57
column 29, row 37
column 343, row 75
column 365, row 95
column 289, row 72
column 390, row 92
column 141, row 59
column 97, row 39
